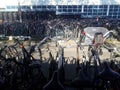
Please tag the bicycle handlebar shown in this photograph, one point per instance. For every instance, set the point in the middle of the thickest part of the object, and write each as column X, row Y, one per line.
column 105, row 36
column 41, row 42
column 110, row 48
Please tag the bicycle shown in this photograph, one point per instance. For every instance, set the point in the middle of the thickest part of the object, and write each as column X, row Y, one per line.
column 97, row 39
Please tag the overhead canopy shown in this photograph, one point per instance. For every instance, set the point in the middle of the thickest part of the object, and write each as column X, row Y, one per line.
column 59, row 2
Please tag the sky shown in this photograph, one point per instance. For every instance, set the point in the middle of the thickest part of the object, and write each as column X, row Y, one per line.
column 4, row 3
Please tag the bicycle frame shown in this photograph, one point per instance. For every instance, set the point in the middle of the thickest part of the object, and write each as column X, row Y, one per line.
column 96, row 42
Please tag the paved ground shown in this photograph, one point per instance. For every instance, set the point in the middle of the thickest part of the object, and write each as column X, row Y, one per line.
column 70, row 50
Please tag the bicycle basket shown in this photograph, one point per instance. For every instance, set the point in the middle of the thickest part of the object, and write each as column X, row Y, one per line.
column 91, row 31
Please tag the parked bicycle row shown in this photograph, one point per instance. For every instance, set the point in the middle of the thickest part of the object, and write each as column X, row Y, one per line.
column 43, row 28
column 19, row 69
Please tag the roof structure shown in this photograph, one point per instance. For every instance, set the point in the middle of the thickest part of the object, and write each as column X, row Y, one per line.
column 59, row 2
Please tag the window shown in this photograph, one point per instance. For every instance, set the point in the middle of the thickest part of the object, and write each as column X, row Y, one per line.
column 12, row 7
column 8, row 7
column 94, row 11
column 105, row 6
column 53, row 7
column 64, row 9
column 44, row 7
column 74, row 6
column 95, row 6
column 99, row 13
column 104, row 13
column 116, row 6
column 64, row 6
column 100, row 6
column 85, row 6
column 69, row 6
column 111, row 10
column 114, row 13
column 90, row 6
column 74, row 9
column 89, row 13
column 59, row 6
column 110, row 14
column 23, row 7
column 69, row 9
column 79, row 10
column 34, row 7
column 85, row 14
column 48, row 6
column 85, row 9
column 59, row 10
column 115, row 10
column 111, row 6
column 118, row 16
column 89, row 10
column 119, row 12
column 79, row 6
column 38, row 7
column 104, row 10
column 114, row 16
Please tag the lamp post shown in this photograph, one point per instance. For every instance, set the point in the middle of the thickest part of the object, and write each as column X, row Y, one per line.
column 19, row 12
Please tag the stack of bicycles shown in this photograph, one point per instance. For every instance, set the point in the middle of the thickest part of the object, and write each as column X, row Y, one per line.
column 20, row 70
